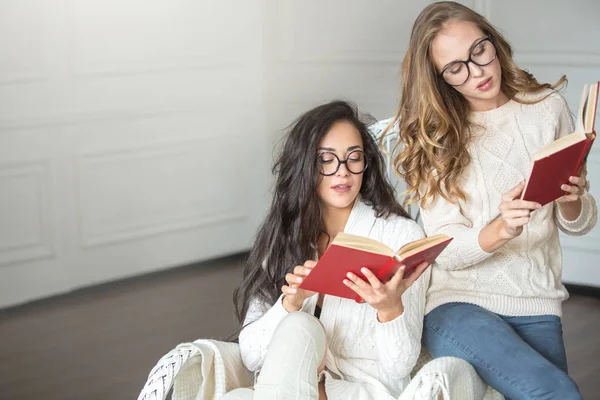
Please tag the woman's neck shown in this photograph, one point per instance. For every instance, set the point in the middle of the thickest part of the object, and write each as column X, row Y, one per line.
column 334, row 219
column 491, row 104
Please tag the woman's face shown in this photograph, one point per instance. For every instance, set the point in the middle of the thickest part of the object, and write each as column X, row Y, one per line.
column 459, row 41
column 339, row 189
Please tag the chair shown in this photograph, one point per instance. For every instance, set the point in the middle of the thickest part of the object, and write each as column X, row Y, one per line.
column 207, row 369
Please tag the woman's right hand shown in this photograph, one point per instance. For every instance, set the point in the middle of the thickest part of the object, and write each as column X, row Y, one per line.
column 515, row 213
column 294, row 296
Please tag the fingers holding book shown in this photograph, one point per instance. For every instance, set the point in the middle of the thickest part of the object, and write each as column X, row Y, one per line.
column 514, row 212
column 386, row 298
column 294, row 296
column 578, row 186
column 413, row 275
column 299, row 273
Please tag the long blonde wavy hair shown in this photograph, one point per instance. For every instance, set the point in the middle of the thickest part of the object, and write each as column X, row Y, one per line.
column 432, row 152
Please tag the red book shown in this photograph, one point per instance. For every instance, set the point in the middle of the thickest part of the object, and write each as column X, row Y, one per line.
column 555, row 163
column 350, row 253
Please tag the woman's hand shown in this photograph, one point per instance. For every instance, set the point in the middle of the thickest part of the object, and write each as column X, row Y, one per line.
column 514, row 213
column 570, row 204
column 386, row 298
column 294, row 297
column 579, row 185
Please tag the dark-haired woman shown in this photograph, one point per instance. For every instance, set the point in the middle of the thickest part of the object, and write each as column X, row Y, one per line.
column 304, row 345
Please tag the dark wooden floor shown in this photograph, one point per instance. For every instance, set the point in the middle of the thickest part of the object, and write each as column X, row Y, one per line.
column 100, row 343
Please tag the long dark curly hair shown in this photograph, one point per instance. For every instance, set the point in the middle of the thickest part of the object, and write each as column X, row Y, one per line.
column 288, row 235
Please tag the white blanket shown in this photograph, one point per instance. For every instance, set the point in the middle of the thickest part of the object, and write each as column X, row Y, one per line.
column 207, row 369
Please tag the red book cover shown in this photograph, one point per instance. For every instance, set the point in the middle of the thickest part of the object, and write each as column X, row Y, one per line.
column 328, row 275
column 555, row 163
column 550, row 173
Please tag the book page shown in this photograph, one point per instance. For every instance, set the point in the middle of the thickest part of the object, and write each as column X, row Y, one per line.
column 420, row 245
column 362, row 243
column 590, row 111
column 559, row 144
column 580, row 125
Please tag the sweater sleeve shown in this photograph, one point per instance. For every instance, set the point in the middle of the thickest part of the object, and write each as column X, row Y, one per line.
column 259, row 325
column 443, row 217
column 398, row 342
column 589, row 211
column 586, row 220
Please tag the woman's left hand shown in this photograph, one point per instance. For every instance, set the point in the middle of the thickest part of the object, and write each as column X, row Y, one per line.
column 386, row 298
column 579, row 185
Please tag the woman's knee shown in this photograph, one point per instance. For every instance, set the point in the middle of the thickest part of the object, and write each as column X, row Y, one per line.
column 301, row 320
column 301, row 327
column 304, row 327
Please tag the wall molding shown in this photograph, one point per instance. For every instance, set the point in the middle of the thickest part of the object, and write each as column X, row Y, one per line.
column 195, row 58
column 122, row 69
column 40, row 246
column 32, row 70
column 91, row 236
column 78, row 118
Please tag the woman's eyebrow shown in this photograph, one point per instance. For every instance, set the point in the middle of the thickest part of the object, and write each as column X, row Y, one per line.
column 475, row 42
column 332, row 149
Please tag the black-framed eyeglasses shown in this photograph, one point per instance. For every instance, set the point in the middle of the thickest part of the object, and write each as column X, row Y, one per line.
column 458, row 72
column 329, row 163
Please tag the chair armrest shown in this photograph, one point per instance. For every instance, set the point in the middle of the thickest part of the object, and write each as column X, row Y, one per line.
column 202, row 369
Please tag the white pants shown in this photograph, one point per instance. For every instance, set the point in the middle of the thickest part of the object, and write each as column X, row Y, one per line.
column 289, row 371
column 298, row 347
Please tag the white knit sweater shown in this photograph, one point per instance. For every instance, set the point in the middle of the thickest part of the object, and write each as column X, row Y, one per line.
column 360, row 348
column 524, row 276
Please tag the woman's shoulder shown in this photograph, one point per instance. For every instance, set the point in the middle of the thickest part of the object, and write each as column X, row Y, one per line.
column 548, row 105
column 548, row 98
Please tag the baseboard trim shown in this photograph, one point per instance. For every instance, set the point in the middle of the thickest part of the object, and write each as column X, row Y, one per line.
column 582, row 290
column 574, row 289
column 83, row 292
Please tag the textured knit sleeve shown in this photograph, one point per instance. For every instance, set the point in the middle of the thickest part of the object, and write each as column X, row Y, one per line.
column 586, row 220
column 398, row 342
column 440, row 216
column 259, row 325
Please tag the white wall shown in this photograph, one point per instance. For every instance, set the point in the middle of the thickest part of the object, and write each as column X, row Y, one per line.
column 563, row 40
column 132, row 138
column 137, row 135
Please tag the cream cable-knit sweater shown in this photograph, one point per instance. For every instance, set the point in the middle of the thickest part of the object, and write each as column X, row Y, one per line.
column 524, row 276
column 360, row 348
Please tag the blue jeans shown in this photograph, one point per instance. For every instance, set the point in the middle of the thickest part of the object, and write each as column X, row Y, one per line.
column 520, row 357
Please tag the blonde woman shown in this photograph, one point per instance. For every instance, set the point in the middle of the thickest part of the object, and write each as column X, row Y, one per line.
column 469, row 120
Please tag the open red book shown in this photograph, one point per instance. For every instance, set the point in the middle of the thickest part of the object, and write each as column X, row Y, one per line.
column 556, row 162
column 350, row 253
